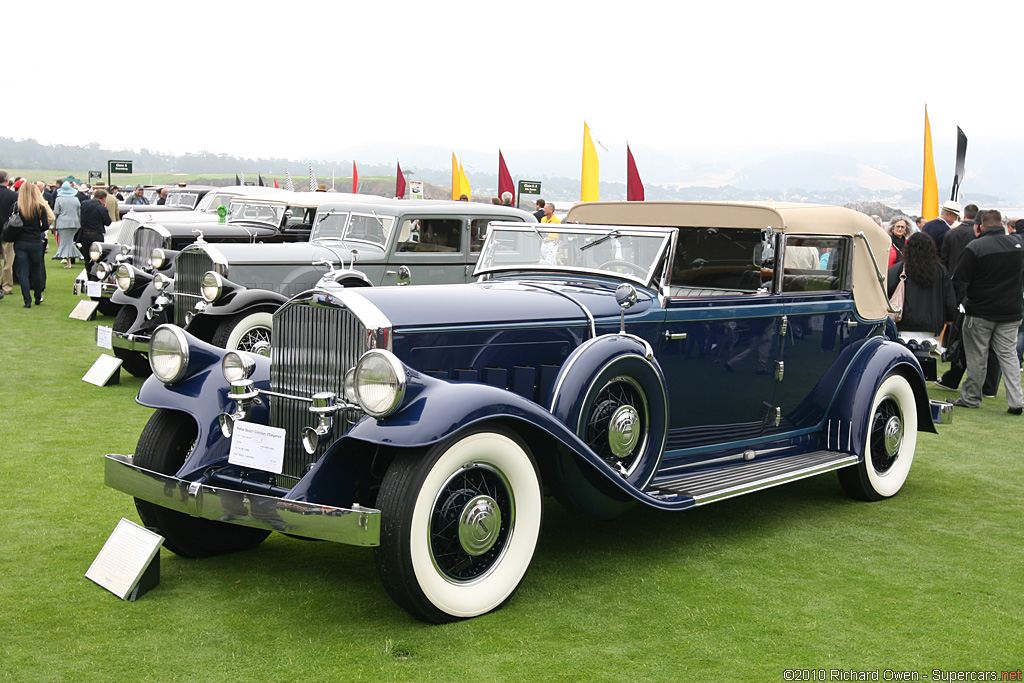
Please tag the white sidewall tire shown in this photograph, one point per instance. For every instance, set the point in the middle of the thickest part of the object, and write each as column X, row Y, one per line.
column 494, row 588
column 888, row 483
column 260, row 319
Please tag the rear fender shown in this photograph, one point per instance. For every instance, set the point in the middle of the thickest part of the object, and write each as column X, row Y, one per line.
column 847, row 422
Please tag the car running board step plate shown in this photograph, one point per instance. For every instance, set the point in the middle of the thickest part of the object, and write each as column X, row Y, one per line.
column 708, row 486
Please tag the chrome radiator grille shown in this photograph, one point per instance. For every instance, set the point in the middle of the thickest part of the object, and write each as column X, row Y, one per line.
column 189, row 268
column 128, row 227
column 145, row 241
column 312, row 348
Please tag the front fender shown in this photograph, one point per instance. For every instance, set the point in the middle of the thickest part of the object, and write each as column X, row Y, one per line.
column 243, row 299
column 848, row 420
column 436, row 409
column 203, row 394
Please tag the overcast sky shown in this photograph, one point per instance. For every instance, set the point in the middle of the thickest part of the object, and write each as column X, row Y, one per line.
column 306, row 79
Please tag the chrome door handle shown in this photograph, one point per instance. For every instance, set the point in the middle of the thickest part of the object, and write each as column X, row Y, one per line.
column 673, row 336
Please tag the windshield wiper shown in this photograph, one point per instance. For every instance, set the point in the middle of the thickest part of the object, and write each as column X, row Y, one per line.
column 603, row 238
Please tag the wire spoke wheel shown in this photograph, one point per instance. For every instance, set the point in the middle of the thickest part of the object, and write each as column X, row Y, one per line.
column 618, row 425
column 471, row 522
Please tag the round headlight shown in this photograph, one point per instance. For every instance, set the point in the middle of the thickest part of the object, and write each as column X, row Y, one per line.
column 168, row 353
column 212, row 286
column 237, row 366
column 95, row 251
column 158, row 259
column 379, row 383
column 102, row 271
column 350, row 386
column 161, row 282
column 125, row 277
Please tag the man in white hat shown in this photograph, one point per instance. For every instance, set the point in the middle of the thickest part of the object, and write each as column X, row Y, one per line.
column 937, row 228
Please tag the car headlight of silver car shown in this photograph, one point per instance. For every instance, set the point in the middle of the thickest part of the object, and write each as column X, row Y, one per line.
column 236, row 366
column 125, row 277
column 161, row 282
column 168, row 353
column 379, row 383
column 158, row 259
column 102, row 271
column 212, row 286
column 95, row 251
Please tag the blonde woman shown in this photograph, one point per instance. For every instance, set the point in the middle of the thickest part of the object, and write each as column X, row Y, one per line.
column 28, row 247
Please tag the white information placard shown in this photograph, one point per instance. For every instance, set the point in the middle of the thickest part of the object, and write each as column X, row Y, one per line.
column 103, row 370
column 85, row 310
column 94, row 289
column 103, row 337
column 257, row 446
column 124, row 557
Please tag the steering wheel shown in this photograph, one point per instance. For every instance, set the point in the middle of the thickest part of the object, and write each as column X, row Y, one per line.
column 619, row 263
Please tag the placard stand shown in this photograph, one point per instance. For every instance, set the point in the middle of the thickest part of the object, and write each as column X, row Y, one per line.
column 128, row 565
column 104, row 372
column 150, row 578
column 85, row 310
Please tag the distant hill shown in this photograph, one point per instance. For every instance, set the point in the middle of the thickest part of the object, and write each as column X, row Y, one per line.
column 885, row 173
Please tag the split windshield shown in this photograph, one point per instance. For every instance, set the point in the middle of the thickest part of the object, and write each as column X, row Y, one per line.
column 256, row 212
column 632, row 253
column 359, row 227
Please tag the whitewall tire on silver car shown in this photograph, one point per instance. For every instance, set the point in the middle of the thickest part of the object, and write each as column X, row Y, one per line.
column 244, row 331
column 460, row 524
column 890, row 442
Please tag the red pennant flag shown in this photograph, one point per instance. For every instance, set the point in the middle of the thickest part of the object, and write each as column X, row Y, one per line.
column 634, row 186
column 275, row 184
column 355, row 178
column 400, row 184
column 505, row 183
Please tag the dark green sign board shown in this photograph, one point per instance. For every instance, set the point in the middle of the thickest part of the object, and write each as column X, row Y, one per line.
column 95, row 174
column 119, row 166
column 529, row 187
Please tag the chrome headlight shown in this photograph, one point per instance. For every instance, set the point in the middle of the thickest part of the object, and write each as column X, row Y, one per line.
column 102, row 271
column 161, row 282
column 168, row 353
column 236, row 366
column 95, row 251
column 125, row 277
column 379, row 383
column 212, row 286
column 158, row 259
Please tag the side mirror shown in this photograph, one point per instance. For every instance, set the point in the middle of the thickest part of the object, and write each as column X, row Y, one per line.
column 625, row 297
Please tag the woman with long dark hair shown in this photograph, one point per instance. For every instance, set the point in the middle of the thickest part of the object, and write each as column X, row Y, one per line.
column 929, row 301
column 28, row 248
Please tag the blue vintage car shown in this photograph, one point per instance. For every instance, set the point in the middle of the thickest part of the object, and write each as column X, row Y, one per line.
column 669, row 355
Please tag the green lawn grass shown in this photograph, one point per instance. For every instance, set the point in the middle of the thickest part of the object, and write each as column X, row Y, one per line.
column 796, row 577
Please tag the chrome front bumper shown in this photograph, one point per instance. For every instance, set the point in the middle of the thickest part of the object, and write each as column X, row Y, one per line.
column 358, row 526
column 129, row 341
column 942, row 412
column 81, row 287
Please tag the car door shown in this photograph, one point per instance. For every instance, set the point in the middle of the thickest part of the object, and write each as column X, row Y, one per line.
column 434, row 249
column 720, row 339
column 820, row 328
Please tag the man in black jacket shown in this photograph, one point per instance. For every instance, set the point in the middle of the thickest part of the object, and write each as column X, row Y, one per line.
column 989, row 277
column 958, row 238
column 8, row 198
column 95, row 219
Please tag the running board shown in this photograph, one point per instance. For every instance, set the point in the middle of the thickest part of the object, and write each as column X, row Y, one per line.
column 709, row 486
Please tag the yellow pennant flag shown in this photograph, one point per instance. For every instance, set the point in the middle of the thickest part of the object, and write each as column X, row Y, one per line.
column 456, row 180
column 930, row 191
column 464, row 188
column 589, row 191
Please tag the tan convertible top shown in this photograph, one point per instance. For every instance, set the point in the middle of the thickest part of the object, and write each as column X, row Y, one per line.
column 789, row 218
